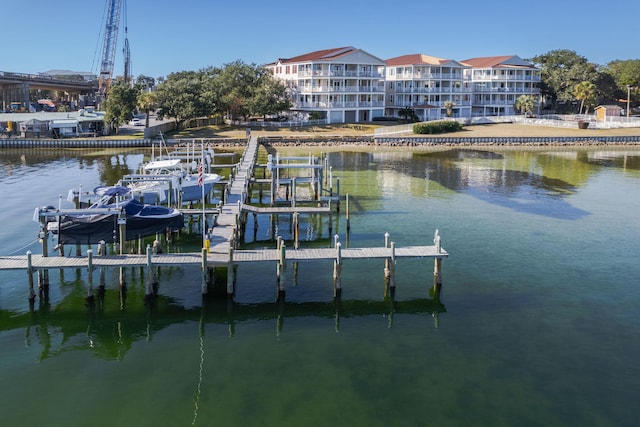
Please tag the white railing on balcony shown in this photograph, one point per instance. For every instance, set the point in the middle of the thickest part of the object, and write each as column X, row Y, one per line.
column 432, row 90
column 338, row 104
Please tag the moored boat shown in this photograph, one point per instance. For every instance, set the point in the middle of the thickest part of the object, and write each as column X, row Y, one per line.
column 166, row 181
column 101, row 221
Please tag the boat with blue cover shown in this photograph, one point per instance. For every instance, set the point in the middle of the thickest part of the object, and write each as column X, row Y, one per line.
column 100, row 221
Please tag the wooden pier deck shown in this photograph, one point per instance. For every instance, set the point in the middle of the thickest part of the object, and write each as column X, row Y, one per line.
column 221, row 247
column 216, row 257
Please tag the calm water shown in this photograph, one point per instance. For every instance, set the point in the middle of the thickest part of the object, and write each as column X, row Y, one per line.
column 537, row 322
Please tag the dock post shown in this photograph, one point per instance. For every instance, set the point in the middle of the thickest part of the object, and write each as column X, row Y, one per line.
column 347, row 214
column 331, row 180
column 231, row 280
column 123, row 280
column 319, row 186
column 296, row 230
column 76, row 205
column 151, row 280
column 387, row 244
column 293, row 192
column 337, row 272
column 122, row 226
column 392, row 267
column 90, row 276
column 338, row 192
column 272, row 189
column 43, row 276
column 32, row 294
column 282, row 267
column 437, row 273
column 204, row 271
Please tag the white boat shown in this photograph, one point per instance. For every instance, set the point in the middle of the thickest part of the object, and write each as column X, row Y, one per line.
column 167, row 181
column 100, row 221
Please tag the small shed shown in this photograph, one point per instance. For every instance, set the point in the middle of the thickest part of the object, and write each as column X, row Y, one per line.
column 34, row 128
column 64, row 127
column 604, row 111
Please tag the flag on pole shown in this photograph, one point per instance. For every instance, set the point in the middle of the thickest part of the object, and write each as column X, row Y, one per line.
column 200, row 177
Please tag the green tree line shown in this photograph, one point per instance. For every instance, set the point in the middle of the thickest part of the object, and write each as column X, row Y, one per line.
column 236, row 90
column 569, row 84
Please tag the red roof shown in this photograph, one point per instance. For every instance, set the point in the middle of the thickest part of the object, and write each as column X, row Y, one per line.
column 498, row 62
column 321, row 55
column 415, row 59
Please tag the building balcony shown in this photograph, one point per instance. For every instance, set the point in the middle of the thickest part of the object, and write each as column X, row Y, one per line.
column 326, row 105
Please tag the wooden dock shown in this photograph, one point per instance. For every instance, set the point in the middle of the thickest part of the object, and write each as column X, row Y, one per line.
column 215, row 257
column 221, row 246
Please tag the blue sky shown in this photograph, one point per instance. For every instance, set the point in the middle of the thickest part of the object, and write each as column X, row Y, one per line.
column 169, row 36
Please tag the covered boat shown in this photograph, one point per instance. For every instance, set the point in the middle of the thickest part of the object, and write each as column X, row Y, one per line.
column 100, row 222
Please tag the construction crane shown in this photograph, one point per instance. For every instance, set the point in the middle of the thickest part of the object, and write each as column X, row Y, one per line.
column 114, row 8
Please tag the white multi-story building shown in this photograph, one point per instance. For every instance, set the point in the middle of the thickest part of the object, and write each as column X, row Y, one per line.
column 498, row 81
column 342, row 85
column 433, row 87
column 348, row 85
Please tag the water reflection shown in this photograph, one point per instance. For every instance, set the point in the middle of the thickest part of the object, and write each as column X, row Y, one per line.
column 110, row 332
column 112, row 164
column 610, row 159
column 517, row 183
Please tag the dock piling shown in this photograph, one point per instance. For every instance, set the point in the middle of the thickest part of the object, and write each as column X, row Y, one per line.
column 230, row 273
column 282, row 267
column 90, row 276
column 204, row 270
column 337, row 272
column 347, row 213
column 32, row 294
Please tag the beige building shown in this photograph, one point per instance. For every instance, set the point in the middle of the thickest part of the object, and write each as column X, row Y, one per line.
column 498, row 81
column 341, row 85
column 434, row 88
column 348, row 85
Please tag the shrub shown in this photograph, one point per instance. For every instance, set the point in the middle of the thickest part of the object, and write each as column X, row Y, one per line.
column 437, row 127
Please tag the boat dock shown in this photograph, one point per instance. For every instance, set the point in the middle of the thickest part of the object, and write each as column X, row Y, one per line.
column 221, row 248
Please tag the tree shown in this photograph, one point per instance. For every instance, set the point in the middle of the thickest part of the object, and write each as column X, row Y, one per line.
column 408, row 114
column 585, row 92
column 146, row 82
column 449, row 107
column 525, row 104
column 146, row 102
column 270, row 97
column 237, row 90
column 185, row 95
column 561, row 71
column 236, row 85
column 625, row 73
column 120, row 103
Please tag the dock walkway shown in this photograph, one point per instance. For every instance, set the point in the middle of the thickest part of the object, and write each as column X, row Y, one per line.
column 223, row 241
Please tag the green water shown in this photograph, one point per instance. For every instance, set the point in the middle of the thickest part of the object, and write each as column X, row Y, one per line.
column 536, row 323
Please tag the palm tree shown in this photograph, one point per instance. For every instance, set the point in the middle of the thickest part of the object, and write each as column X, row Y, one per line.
column 408, row 114
column 525, row 104
column 585, row 92
column 146, row 102
column 449, row 106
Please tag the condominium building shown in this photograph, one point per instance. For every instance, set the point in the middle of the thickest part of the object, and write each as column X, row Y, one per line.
column 348, row 85
column 498, row 81
column 433, row 87
column 340, row 85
